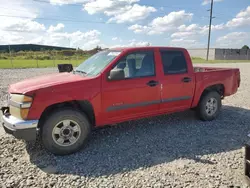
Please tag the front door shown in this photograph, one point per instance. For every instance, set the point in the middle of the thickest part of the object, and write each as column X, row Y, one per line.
column 138, row 94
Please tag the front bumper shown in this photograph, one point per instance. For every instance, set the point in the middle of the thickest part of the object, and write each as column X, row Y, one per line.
column 21, row 129
column 247, row 163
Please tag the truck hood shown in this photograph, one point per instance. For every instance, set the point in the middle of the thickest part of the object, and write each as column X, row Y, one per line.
column 40, row 82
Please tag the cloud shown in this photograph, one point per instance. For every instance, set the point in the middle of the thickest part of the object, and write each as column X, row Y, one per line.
column 14, row 30
column 12, row 20
column 194, row 30
column 114, row 38
column 133, row 43
column 120, row 11
column 242, row 19
column 189, row 36
column 23, row 25
column 58, row 27
column 205, row 2
column 84, row 40
column 132, row 14
column 185, row 43
column 161, row 24
column 233, row 39
column 66, row 2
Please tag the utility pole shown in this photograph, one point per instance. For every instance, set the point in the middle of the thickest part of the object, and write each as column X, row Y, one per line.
column 210, row 22
column 10, row 57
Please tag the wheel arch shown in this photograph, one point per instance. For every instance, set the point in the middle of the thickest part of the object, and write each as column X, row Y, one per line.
column 83, row 106
column 220, row 88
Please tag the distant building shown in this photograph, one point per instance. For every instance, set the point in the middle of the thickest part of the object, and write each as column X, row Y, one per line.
column 30, row 47
column 220, row 53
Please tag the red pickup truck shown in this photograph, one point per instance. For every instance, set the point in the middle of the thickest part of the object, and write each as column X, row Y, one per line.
column 113, row 86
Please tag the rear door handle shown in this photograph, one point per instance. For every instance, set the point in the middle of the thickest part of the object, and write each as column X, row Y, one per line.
column 152, row 83
column 186, row 79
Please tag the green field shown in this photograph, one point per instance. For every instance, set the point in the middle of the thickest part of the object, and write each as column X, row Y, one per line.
column 24, row 63
column 200, row 60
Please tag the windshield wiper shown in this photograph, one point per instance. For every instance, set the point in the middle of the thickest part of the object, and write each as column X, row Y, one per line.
column 80, row 71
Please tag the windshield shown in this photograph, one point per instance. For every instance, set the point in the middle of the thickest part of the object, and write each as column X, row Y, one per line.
column 96, row 63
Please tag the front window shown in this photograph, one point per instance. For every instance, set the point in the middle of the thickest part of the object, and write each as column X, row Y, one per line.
column 137, row 64
column 96, row 63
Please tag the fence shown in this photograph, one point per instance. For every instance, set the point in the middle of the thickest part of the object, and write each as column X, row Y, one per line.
column 232, row 54
column 40, row 59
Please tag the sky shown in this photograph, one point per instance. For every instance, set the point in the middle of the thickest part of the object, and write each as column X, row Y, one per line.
column 86, row 24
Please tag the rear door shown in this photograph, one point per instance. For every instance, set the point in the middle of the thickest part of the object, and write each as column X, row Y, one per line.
column 178, row 81
column 138, row 94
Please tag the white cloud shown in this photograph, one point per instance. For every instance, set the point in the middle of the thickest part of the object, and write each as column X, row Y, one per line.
column 58, row 27
column 187, row 43
column 161, row 24
column 114, row 38
column 139, row 28
column 194, row 30
column 133, row 43
column 233, row 40
column 23, row 25
column 66, row 2
column 12, row 21
column 185, row 34
column 132, row 14
column 120, row 11
column 108, row 7
column 84, row 40
column 241, row 19
column 14, row 30
column 189, row 36
column 205, row 2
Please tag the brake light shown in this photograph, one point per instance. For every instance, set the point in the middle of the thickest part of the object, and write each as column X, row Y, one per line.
column 238, row 76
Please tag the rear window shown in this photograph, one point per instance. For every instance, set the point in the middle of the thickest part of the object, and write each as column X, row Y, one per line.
column 173, row 62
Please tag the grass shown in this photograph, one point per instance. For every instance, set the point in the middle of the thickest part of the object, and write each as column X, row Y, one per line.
column 22, row 63
column 200, row 60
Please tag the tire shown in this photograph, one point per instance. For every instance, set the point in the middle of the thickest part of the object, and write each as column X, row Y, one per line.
column 53, row 131
column 202, row 109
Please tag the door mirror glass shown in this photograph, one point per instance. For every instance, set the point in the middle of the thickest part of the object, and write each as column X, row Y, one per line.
column 65, row 67
column 117, row 74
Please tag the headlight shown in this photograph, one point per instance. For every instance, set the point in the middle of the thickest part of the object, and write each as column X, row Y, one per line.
column 19, row 105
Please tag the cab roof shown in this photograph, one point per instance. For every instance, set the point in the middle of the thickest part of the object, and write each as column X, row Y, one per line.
column 145, row 47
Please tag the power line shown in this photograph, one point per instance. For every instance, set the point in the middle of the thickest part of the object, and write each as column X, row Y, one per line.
column 56, row 19
column 147, row 4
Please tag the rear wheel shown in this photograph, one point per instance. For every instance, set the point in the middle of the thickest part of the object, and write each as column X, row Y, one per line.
column 65, row 131
column 209, row 106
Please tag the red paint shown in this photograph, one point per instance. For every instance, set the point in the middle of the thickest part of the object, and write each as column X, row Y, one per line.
column 102, row 94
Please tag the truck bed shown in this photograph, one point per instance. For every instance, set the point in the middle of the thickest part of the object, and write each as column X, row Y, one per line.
column 228, row 77
column 209, row 69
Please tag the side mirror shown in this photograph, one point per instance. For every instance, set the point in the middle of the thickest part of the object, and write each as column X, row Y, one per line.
column 116, row 74
column 65, row 67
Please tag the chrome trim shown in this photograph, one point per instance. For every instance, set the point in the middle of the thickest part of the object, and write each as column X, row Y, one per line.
column 20, row 105
column 14, row 123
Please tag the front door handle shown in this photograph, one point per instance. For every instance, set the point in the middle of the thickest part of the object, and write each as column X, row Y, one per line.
column 186, row 79
column 152, row 83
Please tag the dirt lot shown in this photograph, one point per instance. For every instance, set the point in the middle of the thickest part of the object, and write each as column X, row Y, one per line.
column 174, row 150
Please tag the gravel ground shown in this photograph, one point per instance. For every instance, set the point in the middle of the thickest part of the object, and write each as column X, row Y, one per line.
column 174, row 150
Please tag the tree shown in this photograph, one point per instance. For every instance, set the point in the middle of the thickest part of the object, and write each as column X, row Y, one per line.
column 245, row 47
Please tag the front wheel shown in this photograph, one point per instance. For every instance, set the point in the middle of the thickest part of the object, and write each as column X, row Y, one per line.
column 209, row 106
column 65, row 131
